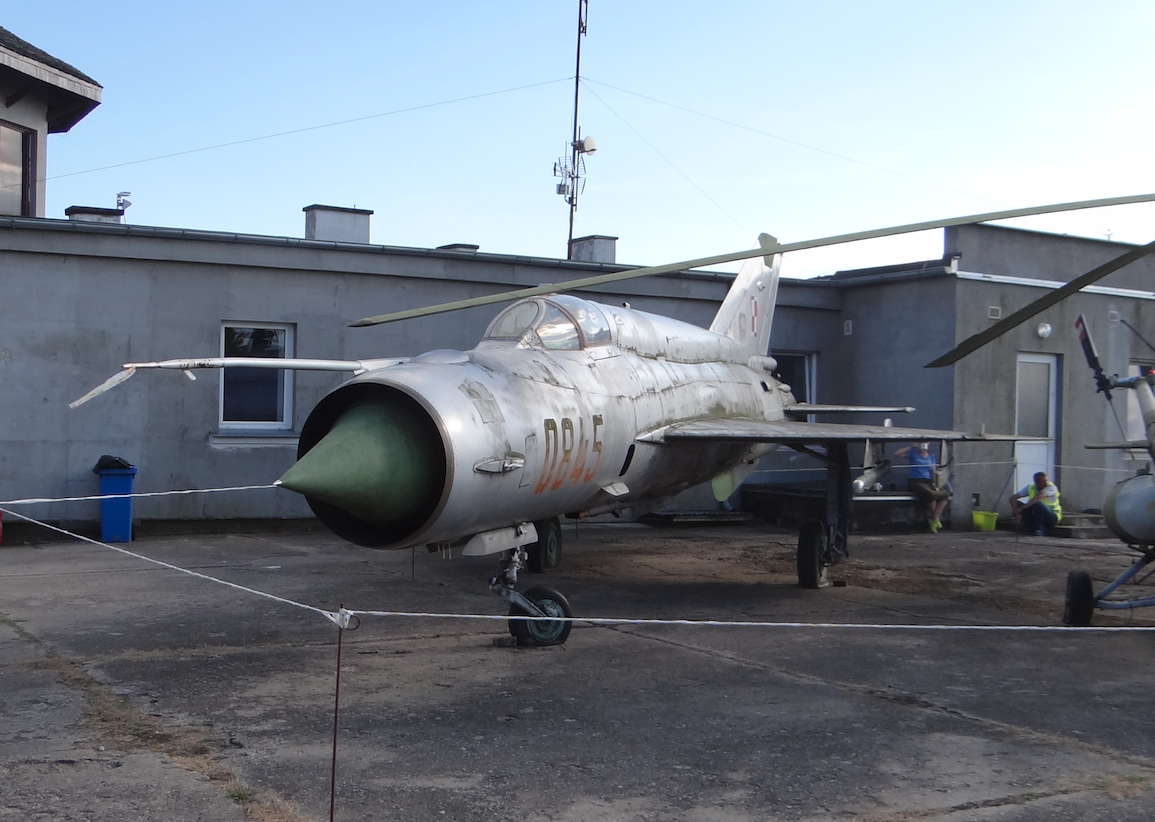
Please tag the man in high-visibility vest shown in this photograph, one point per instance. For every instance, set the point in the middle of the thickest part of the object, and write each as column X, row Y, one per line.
column 1037, row 506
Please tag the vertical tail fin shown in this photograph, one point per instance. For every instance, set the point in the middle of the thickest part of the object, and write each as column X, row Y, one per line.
column 746, row 313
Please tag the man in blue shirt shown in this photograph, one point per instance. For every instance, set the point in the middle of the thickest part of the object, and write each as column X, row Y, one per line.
column 923, row 484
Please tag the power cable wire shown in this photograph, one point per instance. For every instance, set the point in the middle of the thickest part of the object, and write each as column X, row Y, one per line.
column 798, row 143
column 310, row 128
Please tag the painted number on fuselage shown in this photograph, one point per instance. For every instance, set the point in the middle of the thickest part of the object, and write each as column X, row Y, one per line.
column 567, row 453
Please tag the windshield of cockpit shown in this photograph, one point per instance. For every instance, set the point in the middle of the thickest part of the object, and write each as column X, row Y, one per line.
column 560, row 323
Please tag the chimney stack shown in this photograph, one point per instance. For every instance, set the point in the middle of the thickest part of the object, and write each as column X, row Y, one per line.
column 596, row 248
column 342, row 225
column 94, row 214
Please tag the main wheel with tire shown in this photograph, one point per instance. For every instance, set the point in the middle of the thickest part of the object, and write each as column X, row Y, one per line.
column 545, row 554
column 541, row 631
column 1080, row 604
column 811, row 548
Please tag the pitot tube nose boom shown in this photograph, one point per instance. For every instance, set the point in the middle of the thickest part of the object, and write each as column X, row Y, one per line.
column 377, row 463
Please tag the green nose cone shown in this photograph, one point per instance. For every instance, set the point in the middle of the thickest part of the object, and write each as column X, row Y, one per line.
column 374, row 463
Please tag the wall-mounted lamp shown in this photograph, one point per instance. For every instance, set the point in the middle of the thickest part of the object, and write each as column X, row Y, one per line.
column 1044, row 330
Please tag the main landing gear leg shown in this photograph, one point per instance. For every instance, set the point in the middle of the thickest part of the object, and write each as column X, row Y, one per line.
column 822, row 543
column 538, row 601
column 545, row 554
column 1082, row 600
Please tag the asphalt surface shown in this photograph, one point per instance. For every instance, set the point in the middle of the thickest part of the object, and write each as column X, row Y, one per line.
column 132, row 691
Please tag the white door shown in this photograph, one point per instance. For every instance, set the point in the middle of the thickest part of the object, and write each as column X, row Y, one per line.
column 1036, row 400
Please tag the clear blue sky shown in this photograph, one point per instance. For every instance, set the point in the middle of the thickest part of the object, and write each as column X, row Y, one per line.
column 714, row 122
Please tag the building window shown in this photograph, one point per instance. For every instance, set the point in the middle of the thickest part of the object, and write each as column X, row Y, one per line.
column 256, row 398
column 16, row 175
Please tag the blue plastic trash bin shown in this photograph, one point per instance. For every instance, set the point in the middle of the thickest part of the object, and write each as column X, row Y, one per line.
column 116, row 514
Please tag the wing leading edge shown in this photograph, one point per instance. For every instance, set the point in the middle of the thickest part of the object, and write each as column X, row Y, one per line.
column 288, row 364
column 791, row 432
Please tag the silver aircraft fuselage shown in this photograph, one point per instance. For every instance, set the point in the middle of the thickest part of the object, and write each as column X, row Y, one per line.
column 515, row 431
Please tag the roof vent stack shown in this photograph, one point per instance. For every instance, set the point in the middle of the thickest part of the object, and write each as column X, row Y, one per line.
column 596, row 248
column 342, row 225
column 94, row 214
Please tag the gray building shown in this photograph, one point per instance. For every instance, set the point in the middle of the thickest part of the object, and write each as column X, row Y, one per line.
column 78, row 299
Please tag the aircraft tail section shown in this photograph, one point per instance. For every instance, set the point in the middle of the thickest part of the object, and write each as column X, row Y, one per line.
column 746, row 313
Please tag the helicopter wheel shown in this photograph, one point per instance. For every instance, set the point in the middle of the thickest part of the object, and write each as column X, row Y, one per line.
column 545, row 554
column 1080, row 602
column 811, row 550
column 541, row 632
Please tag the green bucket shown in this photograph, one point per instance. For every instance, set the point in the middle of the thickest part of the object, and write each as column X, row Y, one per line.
column 984, row 520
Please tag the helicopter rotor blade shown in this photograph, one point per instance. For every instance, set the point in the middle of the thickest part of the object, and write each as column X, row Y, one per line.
column 767, row 246
column 977, row 341
column 1102, row 381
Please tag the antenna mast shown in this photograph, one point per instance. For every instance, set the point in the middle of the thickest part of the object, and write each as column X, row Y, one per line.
column 572, row 169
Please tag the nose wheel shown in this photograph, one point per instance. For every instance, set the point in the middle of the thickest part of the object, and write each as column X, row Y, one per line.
column 540, row 631
column 530, row 612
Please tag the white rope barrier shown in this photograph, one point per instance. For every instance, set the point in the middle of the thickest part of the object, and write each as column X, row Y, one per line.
column 707, row 623
column 957, row 464
column 1128, row 471
column 39, row 500
column 330, row 615
column 343, row 617
column 1063, row 467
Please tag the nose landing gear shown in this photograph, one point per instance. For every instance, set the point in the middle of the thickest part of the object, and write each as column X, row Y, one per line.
column 540, row 631
column 539, row 603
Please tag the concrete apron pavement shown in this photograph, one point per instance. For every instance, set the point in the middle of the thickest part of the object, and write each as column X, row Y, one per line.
column 134, row 692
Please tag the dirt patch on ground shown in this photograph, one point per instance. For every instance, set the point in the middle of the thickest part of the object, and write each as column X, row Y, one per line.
column 121, row 725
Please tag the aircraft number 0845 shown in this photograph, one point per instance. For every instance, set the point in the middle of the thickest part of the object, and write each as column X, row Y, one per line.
column 567, row 454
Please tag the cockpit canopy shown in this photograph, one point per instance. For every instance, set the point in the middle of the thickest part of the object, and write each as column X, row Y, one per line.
column 557, row 323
